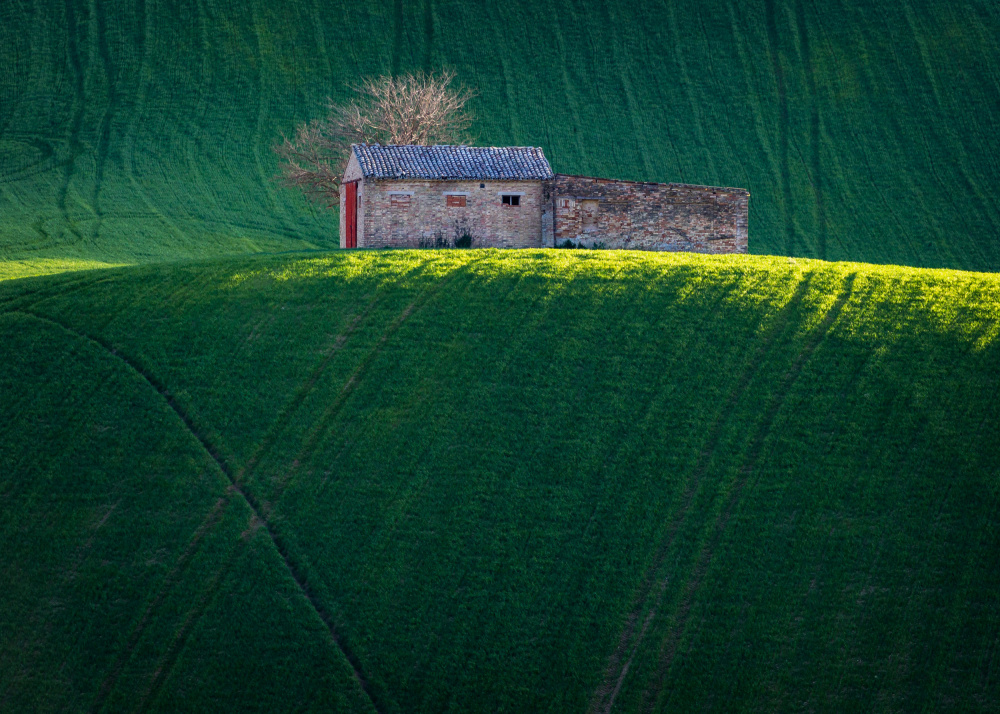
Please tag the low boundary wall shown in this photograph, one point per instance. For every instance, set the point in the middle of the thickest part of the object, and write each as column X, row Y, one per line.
column 610, row 213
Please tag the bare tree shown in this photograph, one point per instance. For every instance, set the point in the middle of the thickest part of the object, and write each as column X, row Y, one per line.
column 411, row 109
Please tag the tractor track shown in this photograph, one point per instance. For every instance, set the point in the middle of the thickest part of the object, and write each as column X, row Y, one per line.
column 815, row 173
column 47, row 292
column 76, row 148
column 668, row 648
column 12, row 104
column 170, row 580
column 301, row 394
column 290, row 565
column 784, row 140
column 621, row 659
column 605, row 695
column 315, row 435
column 45, row 163
column 197, row 611
column 104, row 132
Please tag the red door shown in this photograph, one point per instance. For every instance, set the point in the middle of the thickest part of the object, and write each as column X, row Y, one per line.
column 351, row 220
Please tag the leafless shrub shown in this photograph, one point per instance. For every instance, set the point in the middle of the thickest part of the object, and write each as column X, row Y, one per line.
column 411, row 109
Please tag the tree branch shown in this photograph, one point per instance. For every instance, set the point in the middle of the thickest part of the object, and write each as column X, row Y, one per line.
column 411, row 109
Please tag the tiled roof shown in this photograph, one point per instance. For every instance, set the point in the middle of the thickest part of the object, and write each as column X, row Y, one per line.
column 452, row 162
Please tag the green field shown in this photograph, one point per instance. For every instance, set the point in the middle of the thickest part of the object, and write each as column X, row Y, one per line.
column 134, row 131
column 565, row 481
column 552, row 481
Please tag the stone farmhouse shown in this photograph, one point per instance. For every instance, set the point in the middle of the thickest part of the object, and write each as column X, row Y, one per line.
column 508, row 197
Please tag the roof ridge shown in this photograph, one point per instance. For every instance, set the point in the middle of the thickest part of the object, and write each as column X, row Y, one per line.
column 442, row 146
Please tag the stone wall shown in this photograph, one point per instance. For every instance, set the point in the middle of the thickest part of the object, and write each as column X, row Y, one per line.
column 648, row 216
column 416, row 214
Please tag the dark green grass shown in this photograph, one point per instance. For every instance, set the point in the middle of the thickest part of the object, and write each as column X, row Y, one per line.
column 139, row 130
column 133, row 576
column 760, row 483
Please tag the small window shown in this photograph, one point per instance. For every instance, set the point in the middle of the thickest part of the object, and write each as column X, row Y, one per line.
column 455, row 201
column 510, row 199
column 399, row 200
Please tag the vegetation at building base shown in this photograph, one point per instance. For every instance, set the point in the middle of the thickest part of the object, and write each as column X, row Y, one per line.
column 867, row 130
column 500, row 480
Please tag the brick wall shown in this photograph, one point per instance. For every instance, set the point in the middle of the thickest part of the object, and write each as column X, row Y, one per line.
column 649, row 216
column 423, row 218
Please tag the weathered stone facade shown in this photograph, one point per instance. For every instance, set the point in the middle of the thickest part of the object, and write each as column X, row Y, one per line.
column 649, row 216
column 417, row 214
column 427, row 197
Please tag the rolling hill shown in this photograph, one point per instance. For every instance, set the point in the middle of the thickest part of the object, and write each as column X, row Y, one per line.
column 136, row 131
column 555, row 481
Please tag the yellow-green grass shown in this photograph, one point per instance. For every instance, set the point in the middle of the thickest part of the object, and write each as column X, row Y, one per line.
column 501, row 481
column 29, row 268
column 135, row 131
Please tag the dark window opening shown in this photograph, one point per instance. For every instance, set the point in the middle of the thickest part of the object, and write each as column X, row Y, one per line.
column 509, row 200
column 456, row 201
